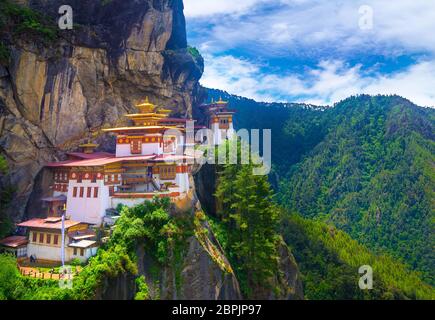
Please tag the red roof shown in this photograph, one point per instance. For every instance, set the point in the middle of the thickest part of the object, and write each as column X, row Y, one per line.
column 46, row 224
column 104, row 161
column 14, row 241
column 94, row 155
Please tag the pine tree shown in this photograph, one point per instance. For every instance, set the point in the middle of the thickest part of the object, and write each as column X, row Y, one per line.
column 251, row 217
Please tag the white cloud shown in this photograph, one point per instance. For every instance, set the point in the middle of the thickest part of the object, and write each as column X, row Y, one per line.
column 203, row 8
column 402, row 24
column 329, row 82
column 315, row 30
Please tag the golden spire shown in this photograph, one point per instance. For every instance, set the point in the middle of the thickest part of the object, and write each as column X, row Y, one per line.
column 146, row 107
column 221, row 101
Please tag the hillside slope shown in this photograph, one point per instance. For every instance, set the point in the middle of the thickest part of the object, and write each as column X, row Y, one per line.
column 365, row 165
column 372, row 176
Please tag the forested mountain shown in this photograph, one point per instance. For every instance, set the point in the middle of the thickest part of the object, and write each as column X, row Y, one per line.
column 365, row 165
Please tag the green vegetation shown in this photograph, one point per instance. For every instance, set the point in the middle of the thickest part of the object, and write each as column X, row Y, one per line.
column 143, row 291
column 250, row 220
column 14, row 286
column 194, row 52
column 329, row 260
column 9, row 276
column 365, row 166
column 23, row 22
column 3, row 165
column 147, row 225
column 372, row 176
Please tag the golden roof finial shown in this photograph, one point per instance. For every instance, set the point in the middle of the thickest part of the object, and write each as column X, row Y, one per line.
column 221, row 101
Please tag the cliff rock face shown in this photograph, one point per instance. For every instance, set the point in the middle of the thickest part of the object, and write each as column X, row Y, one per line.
column 54, row 97
column 203, row 273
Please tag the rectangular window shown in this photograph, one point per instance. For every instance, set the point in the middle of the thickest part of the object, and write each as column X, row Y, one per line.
column 168, row 145
column 95, row 192
column 89, row 192
column 48, row 240
column 75, row 192
column 82, row 252
column 168, row 172
column 56, row 239
column 136, row 146
column 111, row 191
column 82, row 191
column 41, row 238
column 75, row 251
column 35, row 236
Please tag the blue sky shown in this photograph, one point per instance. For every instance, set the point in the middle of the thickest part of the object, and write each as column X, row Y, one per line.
column 316, row 51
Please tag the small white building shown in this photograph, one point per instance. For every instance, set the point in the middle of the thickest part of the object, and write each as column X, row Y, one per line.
column 44, row 238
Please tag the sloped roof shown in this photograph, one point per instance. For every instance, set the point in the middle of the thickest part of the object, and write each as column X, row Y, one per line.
column 14, row 241
column 47, row 224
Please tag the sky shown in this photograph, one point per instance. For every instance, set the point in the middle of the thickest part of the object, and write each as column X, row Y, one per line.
column 316, row 51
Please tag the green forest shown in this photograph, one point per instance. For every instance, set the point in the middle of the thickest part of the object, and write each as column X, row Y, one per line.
column 364, row 166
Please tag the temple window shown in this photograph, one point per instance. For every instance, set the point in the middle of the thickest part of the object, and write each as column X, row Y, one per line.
column 75, row 192
column 89, row 191
column 41, row 238
column 55, row 239
column 136, row 146
column 167, row 172
column 34, row 236
column 82, row 191
column 48, row 240
column 82, row 252
column 96, row 192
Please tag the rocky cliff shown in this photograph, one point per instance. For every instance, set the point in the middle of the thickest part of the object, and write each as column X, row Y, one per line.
column 201, row 271
column 55, row 94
